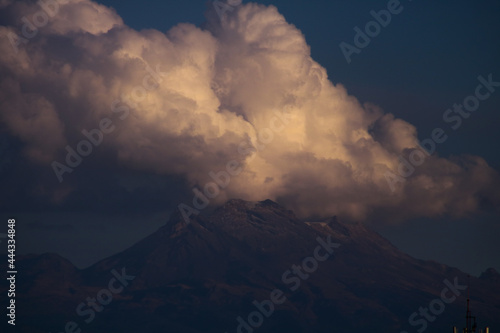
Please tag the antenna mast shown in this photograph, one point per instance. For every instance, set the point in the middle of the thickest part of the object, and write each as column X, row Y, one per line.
column 470, row 326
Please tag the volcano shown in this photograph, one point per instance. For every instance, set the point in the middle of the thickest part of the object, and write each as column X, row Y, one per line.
column 252, row 267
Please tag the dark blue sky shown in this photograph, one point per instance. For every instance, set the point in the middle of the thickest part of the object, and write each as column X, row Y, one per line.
column 427, row 59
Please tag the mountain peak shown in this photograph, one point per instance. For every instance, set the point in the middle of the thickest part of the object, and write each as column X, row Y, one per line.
column 233, row 210
column 240, row 212
column 243, row 205
column 217, row 265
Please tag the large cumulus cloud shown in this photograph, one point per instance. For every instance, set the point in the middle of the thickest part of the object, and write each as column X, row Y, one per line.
column 217, row 93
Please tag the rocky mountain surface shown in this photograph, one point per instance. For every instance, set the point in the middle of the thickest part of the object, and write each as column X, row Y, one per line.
column 252, row 267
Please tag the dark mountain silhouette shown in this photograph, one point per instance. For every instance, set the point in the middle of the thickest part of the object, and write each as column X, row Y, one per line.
column 202, row 276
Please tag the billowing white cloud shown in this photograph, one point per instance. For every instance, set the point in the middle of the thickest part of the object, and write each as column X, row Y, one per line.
column 188, row 101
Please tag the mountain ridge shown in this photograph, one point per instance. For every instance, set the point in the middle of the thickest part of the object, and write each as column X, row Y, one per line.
column 202, row 276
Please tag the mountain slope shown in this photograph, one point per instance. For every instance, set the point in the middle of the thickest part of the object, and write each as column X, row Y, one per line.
column 202, row 276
